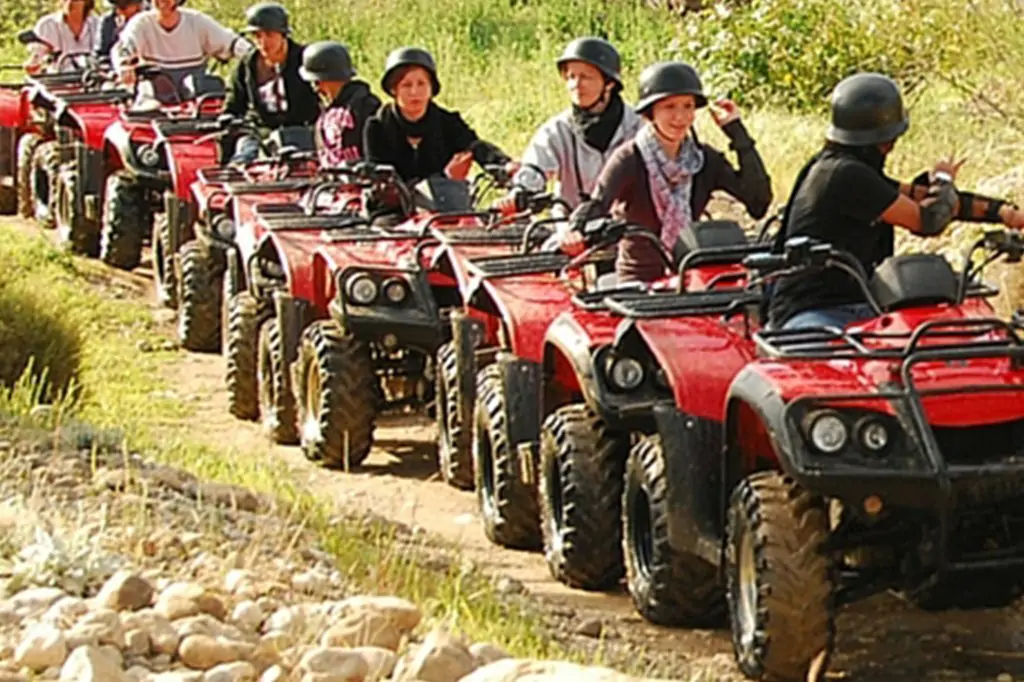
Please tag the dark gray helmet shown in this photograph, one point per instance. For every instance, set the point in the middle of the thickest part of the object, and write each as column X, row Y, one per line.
column 596, row 52
column 121, row 4
column 267, row 16
column 867, row 109
column 409, row 56
column 666, row 79
column 326, row 61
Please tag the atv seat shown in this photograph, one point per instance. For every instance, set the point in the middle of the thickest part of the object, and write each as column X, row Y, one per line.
column 300, row 138
column 918, row 279
column 709, row 234
column 442, row 195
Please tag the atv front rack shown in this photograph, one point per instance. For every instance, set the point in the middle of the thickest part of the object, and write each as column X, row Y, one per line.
column 465, row 236
column 188, row 126
column 494, row 267
column 660, row 305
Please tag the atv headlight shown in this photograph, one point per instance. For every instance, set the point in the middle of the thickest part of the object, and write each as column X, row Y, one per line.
column 395, row 291
column 828, row 432
column 149, row 156
column 626, row 373
column 873, row 436
column 362, row 290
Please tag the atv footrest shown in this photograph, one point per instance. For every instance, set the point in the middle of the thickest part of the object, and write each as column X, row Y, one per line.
column 490, row 267
column 340, row 221
column 476, row 235
column 680, row 305
column 196, row 126
column 595, row 300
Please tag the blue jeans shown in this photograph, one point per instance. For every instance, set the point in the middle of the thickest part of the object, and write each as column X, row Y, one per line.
column 839, row 316
column 247, row 149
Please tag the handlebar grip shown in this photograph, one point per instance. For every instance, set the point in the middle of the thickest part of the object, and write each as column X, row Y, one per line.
column 765, row 262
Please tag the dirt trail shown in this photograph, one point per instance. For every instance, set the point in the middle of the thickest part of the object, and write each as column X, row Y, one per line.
column 881, row 639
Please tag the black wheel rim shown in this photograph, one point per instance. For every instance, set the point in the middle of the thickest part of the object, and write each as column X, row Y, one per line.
column 638, row 526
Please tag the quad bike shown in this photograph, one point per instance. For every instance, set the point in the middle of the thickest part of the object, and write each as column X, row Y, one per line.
column 191, row 147
column 835, row 464
column 551, row 431
column 137, row 170
column 387, row 305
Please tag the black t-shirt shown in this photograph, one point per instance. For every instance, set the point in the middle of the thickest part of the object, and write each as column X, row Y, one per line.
column 840, row 202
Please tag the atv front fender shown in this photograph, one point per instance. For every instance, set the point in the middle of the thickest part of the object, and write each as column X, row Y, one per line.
column 117, row 141
column 466, row 334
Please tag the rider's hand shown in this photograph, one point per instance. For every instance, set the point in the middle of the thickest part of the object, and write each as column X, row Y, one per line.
column 947, row 165
column 128, row 77
column 571, row 243
column 506, row 205
column 1012, row 217
column 724, row 111
column 512, row 167
column 458, row 167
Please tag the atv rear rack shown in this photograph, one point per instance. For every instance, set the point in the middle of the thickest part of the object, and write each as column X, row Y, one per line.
column 660, row 305
column 197, row 126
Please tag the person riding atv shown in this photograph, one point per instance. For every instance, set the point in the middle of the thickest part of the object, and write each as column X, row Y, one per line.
column 267, row 90
column 70, row 31
column 175, row 41
column 663, row 180
column 574, row 145
column 415, row 135
column 348, row 103
column 843, row 197
column 114, row 22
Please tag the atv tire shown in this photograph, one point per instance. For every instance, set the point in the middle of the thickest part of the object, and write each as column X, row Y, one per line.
column 165, row 279
column 779, row 578
column 27, row 145
column 336, row 391
column 45, row 163
column 581, row 475
column 199, row 311
column 455, row 440
column 668, row 587
column 77, row 233
column 277, row 402
column 240, row 354
column 126, row 222
column 508, row 506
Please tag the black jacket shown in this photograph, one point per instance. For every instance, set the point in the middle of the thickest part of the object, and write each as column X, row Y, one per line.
column 340, row 128
column 244, row 100
column 109, row 30
column 442, row 135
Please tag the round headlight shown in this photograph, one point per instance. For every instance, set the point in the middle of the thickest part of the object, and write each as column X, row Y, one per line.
column 362, row 290
column 395, row 291
column 874, row 437
column 626, row 373
column 148, row 156
column 828, row 433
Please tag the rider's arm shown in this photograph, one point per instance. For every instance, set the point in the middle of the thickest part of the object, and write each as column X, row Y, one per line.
column 376, row 145
column 542, row 154
column 463, row 138
column 125, row 53
column 218, row 41
column 974, row 208
column 49, row 37
column 363, row 110
column 930, row 215
column 237, row 102
column 751, row 183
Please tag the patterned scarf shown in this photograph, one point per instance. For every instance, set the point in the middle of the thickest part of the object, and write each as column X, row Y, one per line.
column 671, row 181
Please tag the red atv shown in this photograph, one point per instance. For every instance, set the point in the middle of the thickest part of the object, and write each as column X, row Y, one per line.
column 554, row 412
column 887, row 455
column 137, row 170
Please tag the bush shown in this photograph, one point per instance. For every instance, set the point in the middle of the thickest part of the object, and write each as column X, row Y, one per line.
column 37, row 336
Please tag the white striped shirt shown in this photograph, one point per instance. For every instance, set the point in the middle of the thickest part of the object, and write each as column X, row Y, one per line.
column 57, row 35
column 188, row 45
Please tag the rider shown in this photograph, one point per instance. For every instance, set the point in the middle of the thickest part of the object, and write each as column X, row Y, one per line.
column 416, row 136
column 574, row 145
column 843, row 197
column 176, row 41
column 113, row 22
column 266, row 89
column 348, row 103
column 70, row 31
column 664, row 179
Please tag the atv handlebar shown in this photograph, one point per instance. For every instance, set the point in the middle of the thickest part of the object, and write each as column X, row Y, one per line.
column 607, row 232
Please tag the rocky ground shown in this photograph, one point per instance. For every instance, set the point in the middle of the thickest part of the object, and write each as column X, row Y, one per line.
column 117, row 569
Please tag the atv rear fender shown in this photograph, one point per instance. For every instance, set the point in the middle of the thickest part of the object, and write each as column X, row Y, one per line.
column 692, row 449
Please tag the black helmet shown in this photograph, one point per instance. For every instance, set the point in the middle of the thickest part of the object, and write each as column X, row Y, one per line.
column 596, row 52
column 409, row 56
column 326, row 61
column 121, row 4
column 666, row 79
column 867, row 109
column 267, row 16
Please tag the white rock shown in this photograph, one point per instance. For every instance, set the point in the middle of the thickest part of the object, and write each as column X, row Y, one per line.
column 240, row 582
column 380, row 663
column 240, row 671
column 404, row 614
column 137, row 673
column 203, row 652
column 99, row 627
column 333, row 660
column 35, row 600
column 310, row 582
column 544, row 671
column 65, row 612
column 136, row 642
column 42, row 646
column 163, row 638
column 440, row 658
column 274, row 673
column 90, row 664
column 179, row 600
column 484, row 653
column 179, row 676
column 363, row 628
column 125, row 591
column 247, row 616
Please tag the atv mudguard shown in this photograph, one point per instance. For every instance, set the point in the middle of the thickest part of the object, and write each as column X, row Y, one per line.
column 117, row 141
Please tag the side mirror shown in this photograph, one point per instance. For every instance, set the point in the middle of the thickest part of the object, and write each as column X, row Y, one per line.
column 28, row 37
